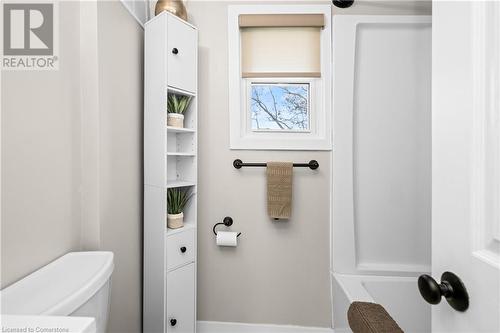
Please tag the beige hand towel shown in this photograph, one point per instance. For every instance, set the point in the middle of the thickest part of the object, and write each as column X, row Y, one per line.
column 279, row 189
column 364, row 317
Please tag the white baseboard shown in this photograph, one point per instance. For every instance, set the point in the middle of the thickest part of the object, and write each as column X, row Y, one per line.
column 225, row 327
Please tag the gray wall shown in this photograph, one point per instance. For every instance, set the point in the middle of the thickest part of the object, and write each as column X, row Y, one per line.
column 121, row 109
column 41, row 159
column 279, row 273
column 43, row 135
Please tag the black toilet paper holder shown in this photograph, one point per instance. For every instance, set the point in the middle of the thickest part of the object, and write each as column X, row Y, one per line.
column 228, row 221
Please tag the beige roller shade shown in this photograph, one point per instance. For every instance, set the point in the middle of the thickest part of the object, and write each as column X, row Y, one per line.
column 281, row 20
column 280, row 51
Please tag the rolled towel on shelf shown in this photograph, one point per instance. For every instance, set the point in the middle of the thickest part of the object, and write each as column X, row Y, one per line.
column 279, row 189
column 365, row 317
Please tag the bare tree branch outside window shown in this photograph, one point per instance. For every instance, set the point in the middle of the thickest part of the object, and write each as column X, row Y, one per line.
column 280, row 107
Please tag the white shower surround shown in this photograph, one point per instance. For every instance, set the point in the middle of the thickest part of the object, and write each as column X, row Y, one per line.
column 381, row 229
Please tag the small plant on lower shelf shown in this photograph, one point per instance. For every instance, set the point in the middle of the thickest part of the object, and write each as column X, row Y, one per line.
column 177, row 199
column 176, row 107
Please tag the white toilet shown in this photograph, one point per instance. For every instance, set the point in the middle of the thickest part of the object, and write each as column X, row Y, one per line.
column 76, row 284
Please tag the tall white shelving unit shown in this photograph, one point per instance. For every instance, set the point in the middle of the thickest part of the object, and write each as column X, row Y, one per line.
column 170, row 160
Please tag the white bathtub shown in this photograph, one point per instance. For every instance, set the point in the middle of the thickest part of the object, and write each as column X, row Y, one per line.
column 398, row 295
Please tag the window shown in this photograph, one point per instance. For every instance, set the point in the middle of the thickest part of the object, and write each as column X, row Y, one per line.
column 280, row 107
column 279, row 77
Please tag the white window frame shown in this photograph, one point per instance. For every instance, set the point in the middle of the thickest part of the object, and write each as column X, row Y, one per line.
column 319, row 137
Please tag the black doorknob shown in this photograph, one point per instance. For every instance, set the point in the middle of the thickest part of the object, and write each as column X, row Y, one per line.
column 175, row 50
column 173, row 322
column 183, row 249
column 451, row 287
column 343, row 3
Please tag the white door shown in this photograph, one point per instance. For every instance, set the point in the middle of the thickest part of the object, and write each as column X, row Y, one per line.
column 466, row 160
column 182, row 42
column 181, row 300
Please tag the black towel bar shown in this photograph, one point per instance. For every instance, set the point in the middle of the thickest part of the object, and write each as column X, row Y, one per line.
column 313, row 164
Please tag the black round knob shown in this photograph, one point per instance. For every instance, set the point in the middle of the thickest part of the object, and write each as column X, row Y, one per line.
column 175, row 50
column 451, row 288
column 173, row 322
column 343, row 3
column 430, row 289
column 183, row 249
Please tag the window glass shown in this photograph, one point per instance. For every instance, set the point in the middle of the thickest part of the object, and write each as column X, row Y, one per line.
column 280, row 106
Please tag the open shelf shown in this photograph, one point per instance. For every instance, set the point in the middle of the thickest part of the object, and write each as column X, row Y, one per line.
column 181, row 154
column 178, row 91
column 171, row 129
column 179, row 183
column 181, row 144
column 187, row 226
column 181, row 170
column 190, row 119
column 189, row 216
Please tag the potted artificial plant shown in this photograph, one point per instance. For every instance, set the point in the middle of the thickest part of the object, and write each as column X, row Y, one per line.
column 176, row 106
column 177, row 200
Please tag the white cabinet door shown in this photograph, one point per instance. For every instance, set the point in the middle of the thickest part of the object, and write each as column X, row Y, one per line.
column 181, row 300
column 466, row 161
column 181, row 52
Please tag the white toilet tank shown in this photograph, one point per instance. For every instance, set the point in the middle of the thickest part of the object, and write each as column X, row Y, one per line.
column 76, row 284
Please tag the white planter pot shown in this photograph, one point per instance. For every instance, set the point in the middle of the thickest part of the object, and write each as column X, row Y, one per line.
column 175, row 221
column 175, row 120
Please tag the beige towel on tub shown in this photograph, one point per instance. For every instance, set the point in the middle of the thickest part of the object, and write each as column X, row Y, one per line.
column 279, row 189
column 365, row 317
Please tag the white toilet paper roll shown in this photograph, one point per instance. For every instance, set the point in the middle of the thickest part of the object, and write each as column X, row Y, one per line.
column 227, row 238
